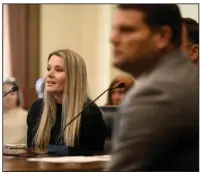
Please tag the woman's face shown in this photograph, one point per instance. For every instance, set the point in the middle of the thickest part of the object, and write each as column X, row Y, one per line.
column 55, row 79
column 117, row 96
column 10, row 101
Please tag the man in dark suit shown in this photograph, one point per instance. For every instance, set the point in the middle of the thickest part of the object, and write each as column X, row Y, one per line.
column 190, row 39
column 157, row 127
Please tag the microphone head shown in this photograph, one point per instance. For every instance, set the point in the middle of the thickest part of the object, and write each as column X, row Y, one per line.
column 15, row 88
column 121, row 85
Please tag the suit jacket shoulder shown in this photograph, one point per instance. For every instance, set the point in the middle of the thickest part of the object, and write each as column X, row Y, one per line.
column 159, row 112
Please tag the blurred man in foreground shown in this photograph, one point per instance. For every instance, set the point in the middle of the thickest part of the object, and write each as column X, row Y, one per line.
column 157, row 127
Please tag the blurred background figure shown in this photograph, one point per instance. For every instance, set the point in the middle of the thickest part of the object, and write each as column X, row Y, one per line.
column 190, row 39
column 39, row 87
column 116, row 96
column 14, row 116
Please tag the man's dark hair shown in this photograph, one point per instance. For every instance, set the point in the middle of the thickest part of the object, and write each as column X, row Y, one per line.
column 158, row 15
column 192, row 29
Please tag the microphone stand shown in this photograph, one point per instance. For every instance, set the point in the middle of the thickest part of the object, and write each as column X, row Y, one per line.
column 7, row 93
column 63, row 150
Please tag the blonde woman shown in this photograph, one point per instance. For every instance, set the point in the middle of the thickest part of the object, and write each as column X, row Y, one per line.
column 65, row 95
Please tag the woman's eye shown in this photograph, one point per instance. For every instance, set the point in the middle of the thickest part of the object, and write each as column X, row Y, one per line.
column 60, row 70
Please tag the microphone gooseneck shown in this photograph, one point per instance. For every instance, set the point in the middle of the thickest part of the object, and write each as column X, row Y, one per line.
column 14, row 89
column 120, row 85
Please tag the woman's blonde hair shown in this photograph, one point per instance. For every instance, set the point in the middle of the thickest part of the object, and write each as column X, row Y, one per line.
column 74, row 98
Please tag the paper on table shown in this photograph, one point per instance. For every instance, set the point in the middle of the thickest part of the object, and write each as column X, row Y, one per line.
column 79, row 159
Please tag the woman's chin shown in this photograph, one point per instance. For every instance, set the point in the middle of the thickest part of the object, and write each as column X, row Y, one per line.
column 54, row 91
column 50, row 90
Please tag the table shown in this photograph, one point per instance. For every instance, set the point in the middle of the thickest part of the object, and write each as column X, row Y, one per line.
column 20, row 163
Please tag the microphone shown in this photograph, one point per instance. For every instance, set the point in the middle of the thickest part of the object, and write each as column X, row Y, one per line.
column 14, row 88
column 120, row 85
column 62, row 150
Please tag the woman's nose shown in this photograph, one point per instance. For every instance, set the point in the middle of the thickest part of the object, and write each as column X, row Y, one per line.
column 50, row 74
column 118, row 96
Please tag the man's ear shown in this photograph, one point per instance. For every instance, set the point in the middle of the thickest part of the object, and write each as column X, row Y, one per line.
column 162, row 37
column 194, row 52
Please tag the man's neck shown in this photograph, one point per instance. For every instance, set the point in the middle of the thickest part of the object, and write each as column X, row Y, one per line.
column 146, row 65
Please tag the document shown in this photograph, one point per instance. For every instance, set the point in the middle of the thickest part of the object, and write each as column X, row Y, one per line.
column 77, row 159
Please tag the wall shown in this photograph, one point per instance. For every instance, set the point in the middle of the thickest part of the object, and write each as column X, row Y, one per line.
column 86, row 29
column 6, row 45
column 190, row 10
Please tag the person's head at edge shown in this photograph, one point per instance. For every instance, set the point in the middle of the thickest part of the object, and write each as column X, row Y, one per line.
column 13, row 99
column 115, row 96
column 142, row 33
column 190, row 39
column 66, row 84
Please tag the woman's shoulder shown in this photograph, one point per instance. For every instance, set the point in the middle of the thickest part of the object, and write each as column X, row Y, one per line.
column 92, row 115
column 90, row 104
column 91, row 108
column 37, row 103
column 35, row 109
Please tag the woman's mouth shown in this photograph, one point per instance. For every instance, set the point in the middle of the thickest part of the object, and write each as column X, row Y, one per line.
column 51, row 82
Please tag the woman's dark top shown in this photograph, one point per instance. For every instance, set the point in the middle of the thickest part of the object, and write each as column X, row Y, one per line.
column 92, row 127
